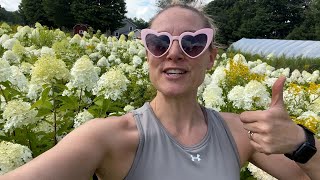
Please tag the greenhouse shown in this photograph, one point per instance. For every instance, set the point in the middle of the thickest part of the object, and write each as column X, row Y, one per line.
column 278, row 48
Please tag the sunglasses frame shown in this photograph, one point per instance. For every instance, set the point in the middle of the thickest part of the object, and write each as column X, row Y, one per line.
column 207, row 31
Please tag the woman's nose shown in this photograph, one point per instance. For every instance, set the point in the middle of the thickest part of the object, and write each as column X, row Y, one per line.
column 175, row 52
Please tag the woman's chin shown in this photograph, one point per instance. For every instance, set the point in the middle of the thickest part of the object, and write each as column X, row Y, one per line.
column 175, row 92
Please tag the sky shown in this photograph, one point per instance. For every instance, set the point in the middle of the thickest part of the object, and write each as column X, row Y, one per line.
column 144, row 9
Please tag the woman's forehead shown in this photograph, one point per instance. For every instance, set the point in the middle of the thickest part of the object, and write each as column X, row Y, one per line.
column 177, row 20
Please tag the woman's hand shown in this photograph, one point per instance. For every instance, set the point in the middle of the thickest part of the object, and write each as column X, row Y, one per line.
column 272, row 131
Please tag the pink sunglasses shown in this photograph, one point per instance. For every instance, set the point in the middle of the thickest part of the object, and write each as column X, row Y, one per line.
column 193, row 44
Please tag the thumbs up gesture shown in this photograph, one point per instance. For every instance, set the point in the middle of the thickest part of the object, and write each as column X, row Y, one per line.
column 272, row 131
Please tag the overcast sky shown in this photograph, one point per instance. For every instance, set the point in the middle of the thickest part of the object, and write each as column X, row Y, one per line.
column 144, row 9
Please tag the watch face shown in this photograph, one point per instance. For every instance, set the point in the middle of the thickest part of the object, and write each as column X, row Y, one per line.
column 304, row 153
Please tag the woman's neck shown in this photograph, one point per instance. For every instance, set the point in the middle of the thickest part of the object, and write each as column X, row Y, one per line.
column 184, row 120
column 180, row 113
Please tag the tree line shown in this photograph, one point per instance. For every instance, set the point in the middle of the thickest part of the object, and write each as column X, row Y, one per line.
column 99, row 14
column 235, row 19
column 272, row 19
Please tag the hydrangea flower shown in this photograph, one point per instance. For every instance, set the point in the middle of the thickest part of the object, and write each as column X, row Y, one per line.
column 207, row 80
column 17, row 114
column 48, row 69
column 103, row 62
column 142, row 53
column 253, row 95
column 4, row 38
column 34, row 91
column 76, row 39
column 22, row 32
column 295, row 99
column 46, row 51
column 101, row 47
column 269, row 81
column 236, row 96
column 18, row 79
column 95, row 56
column 256, row 95
column 83, row 74
column 259, row 173
column 259, row 69
column 126, row 68
column 239, row 58
column 13, row 156
column 212, row 96
column 296, row 77
column 128, row 108
column 26, row 68
column 219, row 76
column 136, row 60
column 111, row 84
column 35, row 34
column 5, row 70
column 8, row 44
column 284, row 72
column 11, row 57
column 81, row 118
column 315, row 106
column 19, row 50
column 145, row 68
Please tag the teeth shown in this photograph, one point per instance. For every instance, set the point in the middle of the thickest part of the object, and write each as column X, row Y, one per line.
column 175, row 71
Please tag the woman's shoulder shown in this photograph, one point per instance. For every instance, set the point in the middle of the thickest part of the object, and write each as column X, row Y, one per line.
column 110, row 128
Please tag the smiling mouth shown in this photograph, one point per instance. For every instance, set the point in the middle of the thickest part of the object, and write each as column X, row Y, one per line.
column 175, row 71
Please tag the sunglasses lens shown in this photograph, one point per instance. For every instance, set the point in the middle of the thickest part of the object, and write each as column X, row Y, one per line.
column 194, row 45
column 157, row 45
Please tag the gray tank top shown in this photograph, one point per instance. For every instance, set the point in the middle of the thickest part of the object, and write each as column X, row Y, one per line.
column 160, row 157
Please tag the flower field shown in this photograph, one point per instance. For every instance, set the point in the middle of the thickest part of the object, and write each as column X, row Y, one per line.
column 51, row 83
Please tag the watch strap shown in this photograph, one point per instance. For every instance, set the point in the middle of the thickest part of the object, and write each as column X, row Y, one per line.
column 306, row 150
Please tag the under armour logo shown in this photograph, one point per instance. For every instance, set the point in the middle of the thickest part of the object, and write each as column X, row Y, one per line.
column 195, row 158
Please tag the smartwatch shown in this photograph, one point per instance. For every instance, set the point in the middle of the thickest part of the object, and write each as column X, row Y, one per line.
column 306, row 150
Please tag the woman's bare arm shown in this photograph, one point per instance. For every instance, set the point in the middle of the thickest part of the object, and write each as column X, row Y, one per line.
column 76, row 156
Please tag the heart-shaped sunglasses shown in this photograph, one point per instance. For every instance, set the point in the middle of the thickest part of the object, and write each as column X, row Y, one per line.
column 193, row 44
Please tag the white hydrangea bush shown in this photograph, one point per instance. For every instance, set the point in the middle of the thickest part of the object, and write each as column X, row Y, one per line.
column 13, row 156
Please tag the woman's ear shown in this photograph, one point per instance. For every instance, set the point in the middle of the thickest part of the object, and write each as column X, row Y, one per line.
column 213, row 55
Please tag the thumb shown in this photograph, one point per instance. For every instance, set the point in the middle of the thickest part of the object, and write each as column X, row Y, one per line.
column 277, row 92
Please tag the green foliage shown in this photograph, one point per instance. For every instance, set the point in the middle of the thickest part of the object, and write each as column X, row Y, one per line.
column 255, row 19
column 103, row 15
column 246, row 175
column 59, row 12
column 141, row 24
column 32, row 12
column 310, row 28
column 10, row 17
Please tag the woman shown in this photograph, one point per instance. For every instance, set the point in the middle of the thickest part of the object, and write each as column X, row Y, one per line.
column 173, row 137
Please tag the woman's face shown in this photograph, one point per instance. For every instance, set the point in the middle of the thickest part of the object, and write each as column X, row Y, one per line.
column 174, row 73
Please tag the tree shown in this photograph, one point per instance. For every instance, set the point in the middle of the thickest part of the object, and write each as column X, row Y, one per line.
column 59, row 12
column 32, row 11
column 310, row 27
column 99, row 14
column 225, row 18
column 141, row 24
column 255, row 18
column 2, row 14
column 10, row 17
